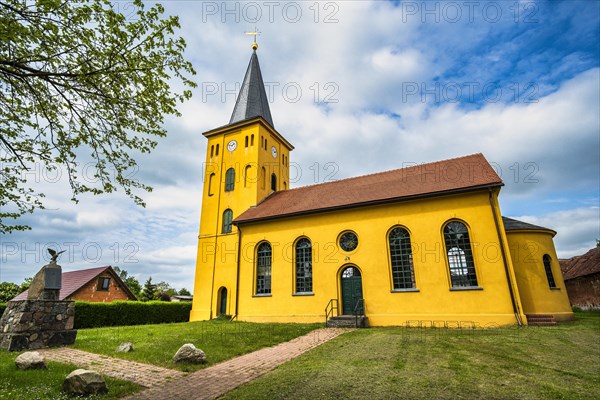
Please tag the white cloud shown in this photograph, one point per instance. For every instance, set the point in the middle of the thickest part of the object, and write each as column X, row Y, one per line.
column 577, row 229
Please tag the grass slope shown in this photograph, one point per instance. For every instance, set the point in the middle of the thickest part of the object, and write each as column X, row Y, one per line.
column 220, row 340
column 384, row 363
column 47, row 384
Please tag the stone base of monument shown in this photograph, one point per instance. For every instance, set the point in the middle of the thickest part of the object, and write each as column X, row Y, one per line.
column 37, row 324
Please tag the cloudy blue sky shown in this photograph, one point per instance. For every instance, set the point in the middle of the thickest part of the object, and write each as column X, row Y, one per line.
column 358, row 87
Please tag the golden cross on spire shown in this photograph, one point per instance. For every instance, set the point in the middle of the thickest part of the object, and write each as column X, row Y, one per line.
column 254, row 33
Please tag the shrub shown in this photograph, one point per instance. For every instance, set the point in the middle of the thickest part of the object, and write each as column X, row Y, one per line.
column 119, row 313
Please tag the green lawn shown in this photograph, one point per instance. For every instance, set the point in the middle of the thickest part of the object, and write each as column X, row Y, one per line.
column 153, row 344
column 378, row 363
column 385, row 363
column 220, row 340
column 46, row 384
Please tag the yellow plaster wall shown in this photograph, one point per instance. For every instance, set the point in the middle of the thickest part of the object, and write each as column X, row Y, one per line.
column 527, row 249
column 424, row 219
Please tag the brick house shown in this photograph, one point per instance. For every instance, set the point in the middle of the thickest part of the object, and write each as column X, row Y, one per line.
column 582, row 278
column 100, row 284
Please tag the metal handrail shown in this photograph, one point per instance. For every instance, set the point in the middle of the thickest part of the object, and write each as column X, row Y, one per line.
column 332, row 305
column 360, row 302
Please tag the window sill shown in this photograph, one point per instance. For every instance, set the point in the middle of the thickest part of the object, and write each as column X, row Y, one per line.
column 101, row 290
column 554, row 288
column 303, row 294
column 404, row 290
column 262, row 295
column 459, row 289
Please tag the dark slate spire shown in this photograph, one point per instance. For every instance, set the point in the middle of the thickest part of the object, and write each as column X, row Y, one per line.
column 252, row 99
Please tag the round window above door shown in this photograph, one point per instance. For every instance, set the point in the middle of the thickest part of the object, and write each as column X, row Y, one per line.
column 348, row 241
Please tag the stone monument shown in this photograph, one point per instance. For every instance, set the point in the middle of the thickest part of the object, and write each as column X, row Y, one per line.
column 42, row 320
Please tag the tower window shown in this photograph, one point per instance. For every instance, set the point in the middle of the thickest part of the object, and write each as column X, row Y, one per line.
column 548, row 268
column 403, row 275
column 227, row 218
column 263, row 269
column 263, row 177
column 252, row 140
column 460, row 255
column 247, row 177
column 217, row 150
column 211, row 179
column 212, row 151
column 246, row 141
column 229, row 180
column 274, row 182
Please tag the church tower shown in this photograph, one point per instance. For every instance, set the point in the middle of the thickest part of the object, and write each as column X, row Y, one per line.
column 246, row 161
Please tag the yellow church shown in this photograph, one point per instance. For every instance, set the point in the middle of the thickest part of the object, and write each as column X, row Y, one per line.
column 425, row 245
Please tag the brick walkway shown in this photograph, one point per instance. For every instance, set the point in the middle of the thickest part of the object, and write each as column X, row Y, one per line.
column 143, row 374
column 212, row 382
column 208, row 383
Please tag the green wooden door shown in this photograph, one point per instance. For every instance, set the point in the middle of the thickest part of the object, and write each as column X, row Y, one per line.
column 351, row 289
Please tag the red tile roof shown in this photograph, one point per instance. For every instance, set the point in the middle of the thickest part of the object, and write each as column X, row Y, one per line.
column 74, row 280
column 583, row 265
column 441, row 177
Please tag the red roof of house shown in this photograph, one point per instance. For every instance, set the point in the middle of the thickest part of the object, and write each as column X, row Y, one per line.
column 72, row 281
column 425, row 180
column 583, row 265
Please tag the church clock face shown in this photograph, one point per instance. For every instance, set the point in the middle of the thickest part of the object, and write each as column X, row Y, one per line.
column 231, row 146
column 274, row 152
column 348, row 241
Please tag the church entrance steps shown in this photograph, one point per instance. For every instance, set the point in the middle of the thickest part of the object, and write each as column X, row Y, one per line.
column 348, row 321
column 541, row 320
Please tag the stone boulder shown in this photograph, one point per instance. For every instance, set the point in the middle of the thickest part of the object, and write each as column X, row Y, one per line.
column 30, row 360
column 84, row 382
column 188, row 353
column 125, row 347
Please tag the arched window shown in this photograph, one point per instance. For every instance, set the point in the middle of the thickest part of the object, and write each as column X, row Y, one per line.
column 263, row 269
column 227, row 218
column 252, row 140
column 548, row 267
column 263, row 178
column 403, row 275
column 212, row 151
column 247, row 177
column 217, row 150
column 229, row 180
column 303, row 266
column 222, row 302
column 460, row 255
column 274, row 182
column 211, row 182
column 284, row 185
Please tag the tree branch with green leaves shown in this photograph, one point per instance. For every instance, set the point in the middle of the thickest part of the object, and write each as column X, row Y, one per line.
column 81, row 82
